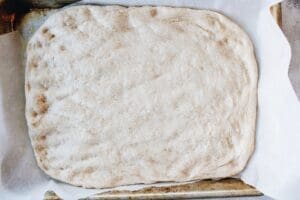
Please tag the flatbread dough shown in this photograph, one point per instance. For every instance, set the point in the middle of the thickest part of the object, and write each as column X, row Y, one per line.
column 120, row 95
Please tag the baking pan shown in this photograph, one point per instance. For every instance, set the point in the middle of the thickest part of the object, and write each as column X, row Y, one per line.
column 26, row 17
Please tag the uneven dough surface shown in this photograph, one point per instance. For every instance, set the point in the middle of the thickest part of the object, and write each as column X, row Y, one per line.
column 120, row 95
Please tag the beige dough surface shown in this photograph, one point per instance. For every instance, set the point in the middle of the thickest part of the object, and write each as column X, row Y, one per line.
column 119, row 96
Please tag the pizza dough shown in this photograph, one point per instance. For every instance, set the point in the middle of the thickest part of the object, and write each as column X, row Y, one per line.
column 119, row 96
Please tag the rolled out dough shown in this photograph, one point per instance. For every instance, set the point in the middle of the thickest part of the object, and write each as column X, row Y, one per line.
column 119, row 96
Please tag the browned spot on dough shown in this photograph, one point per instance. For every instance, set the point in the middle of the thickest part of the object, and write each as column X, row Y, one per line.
column 179, row 29
column 34, row 114
column 223, row 42
column 45, row 30
column 118, row 45
column 89, row 170
column 185, row 171
column 70, row 22
column 210, row 19
column 42, row 137
column 33, row 64
column 47, row 34
column 39, row 148
column 28, row 87
column 42, row 104
column 116, row 180
column 176, row 19
column 72, row 26
column 45, row 167
column 73, row 174
column 87, row 12
column 153, row 12
column 35, row 124
column 152, row 161
column 38, row 44
column 156, row 76
column 62, row 48
column 51, row 36
column 86, row 156
column 122, row 23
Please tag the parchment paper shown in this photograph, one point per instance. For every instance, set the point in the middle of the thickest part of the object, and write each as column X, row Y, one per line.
column 274, row 169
